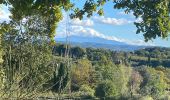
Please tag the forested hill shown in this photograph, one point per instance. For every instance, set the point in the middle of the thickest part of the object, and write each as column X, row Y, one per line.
column 154, row 52
column 153, row 56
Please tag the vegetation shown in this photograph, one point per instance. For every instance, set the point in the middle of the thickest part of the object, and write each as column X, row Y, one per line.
column 33, row 66
column 106, row 89
column 98, row 73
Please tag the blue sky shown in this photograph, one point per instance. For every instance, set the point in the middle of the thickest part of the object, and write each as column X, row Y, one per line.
column 114, row 25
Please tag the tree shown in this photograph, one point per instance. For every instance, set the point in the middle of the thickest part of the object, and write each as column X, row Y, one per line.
column 154, row 14
column 77, row 52
column 33, row 24
column 106, row 89
column 118, row 75
column 153, row 82
column 134, row 82
column 59, row 49
column 26, row 53
column 60, row 78
column 80, row 73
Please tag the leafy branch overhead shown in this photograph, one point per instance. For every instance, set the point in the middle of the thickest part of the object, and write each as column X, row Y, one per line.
column 155, row 14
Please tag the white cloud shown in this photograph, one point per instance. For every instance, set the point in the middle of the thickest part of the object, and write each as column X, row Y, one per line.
column 84, row 32
column 89, row 32
column 75, row 25
column 138, row 42
column 4, row 14
column 112, row 21
column 81, row 28
column 87, row 22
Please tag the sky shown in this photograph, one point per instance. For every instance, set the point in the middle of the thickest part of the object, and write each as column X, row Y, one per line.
column 114, row 25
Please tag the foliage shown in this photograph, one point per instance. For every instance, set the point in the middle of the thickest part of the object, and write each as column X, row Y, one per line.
column 135, row 82
column 119, row 76
column 28, row 55
column 153, row 84
column 41, row 69
column 33, row 63
column 81, row 73
column 50, row 11
column 166, row 72
column 154, row 52
column 106, row 89
column 60, row 78
column 59, row 49
column 88, row 91
column 77, row 52
column 146, row 98
column 2, row 78
column 154, row 14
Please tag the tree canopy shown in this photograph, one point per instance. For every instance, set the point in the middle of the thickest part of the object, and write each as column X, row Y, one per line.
column 155, row 14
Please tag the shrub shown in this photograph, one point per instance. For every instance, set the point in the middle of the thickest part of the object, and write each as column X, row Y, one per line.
column 146, row 98
column 87, row 90
column 106, row 89
column 80, row 73
column 153, row 84
column 165, row 97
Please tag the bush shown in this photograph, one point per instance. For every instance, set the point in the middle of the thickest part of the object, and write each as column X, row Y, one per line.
column 146, row 98
column 165, row 97
column 80, row 74
column 106, row 89
column 87, row 90
column 153, row 84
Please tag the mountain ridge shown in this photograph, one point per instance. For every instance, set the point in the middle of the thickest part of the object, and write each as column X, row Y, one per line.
column 97, row 42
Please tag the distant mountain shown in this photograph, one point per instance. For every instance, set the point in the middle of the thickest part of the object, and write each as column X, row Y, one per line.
column 97, row 42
